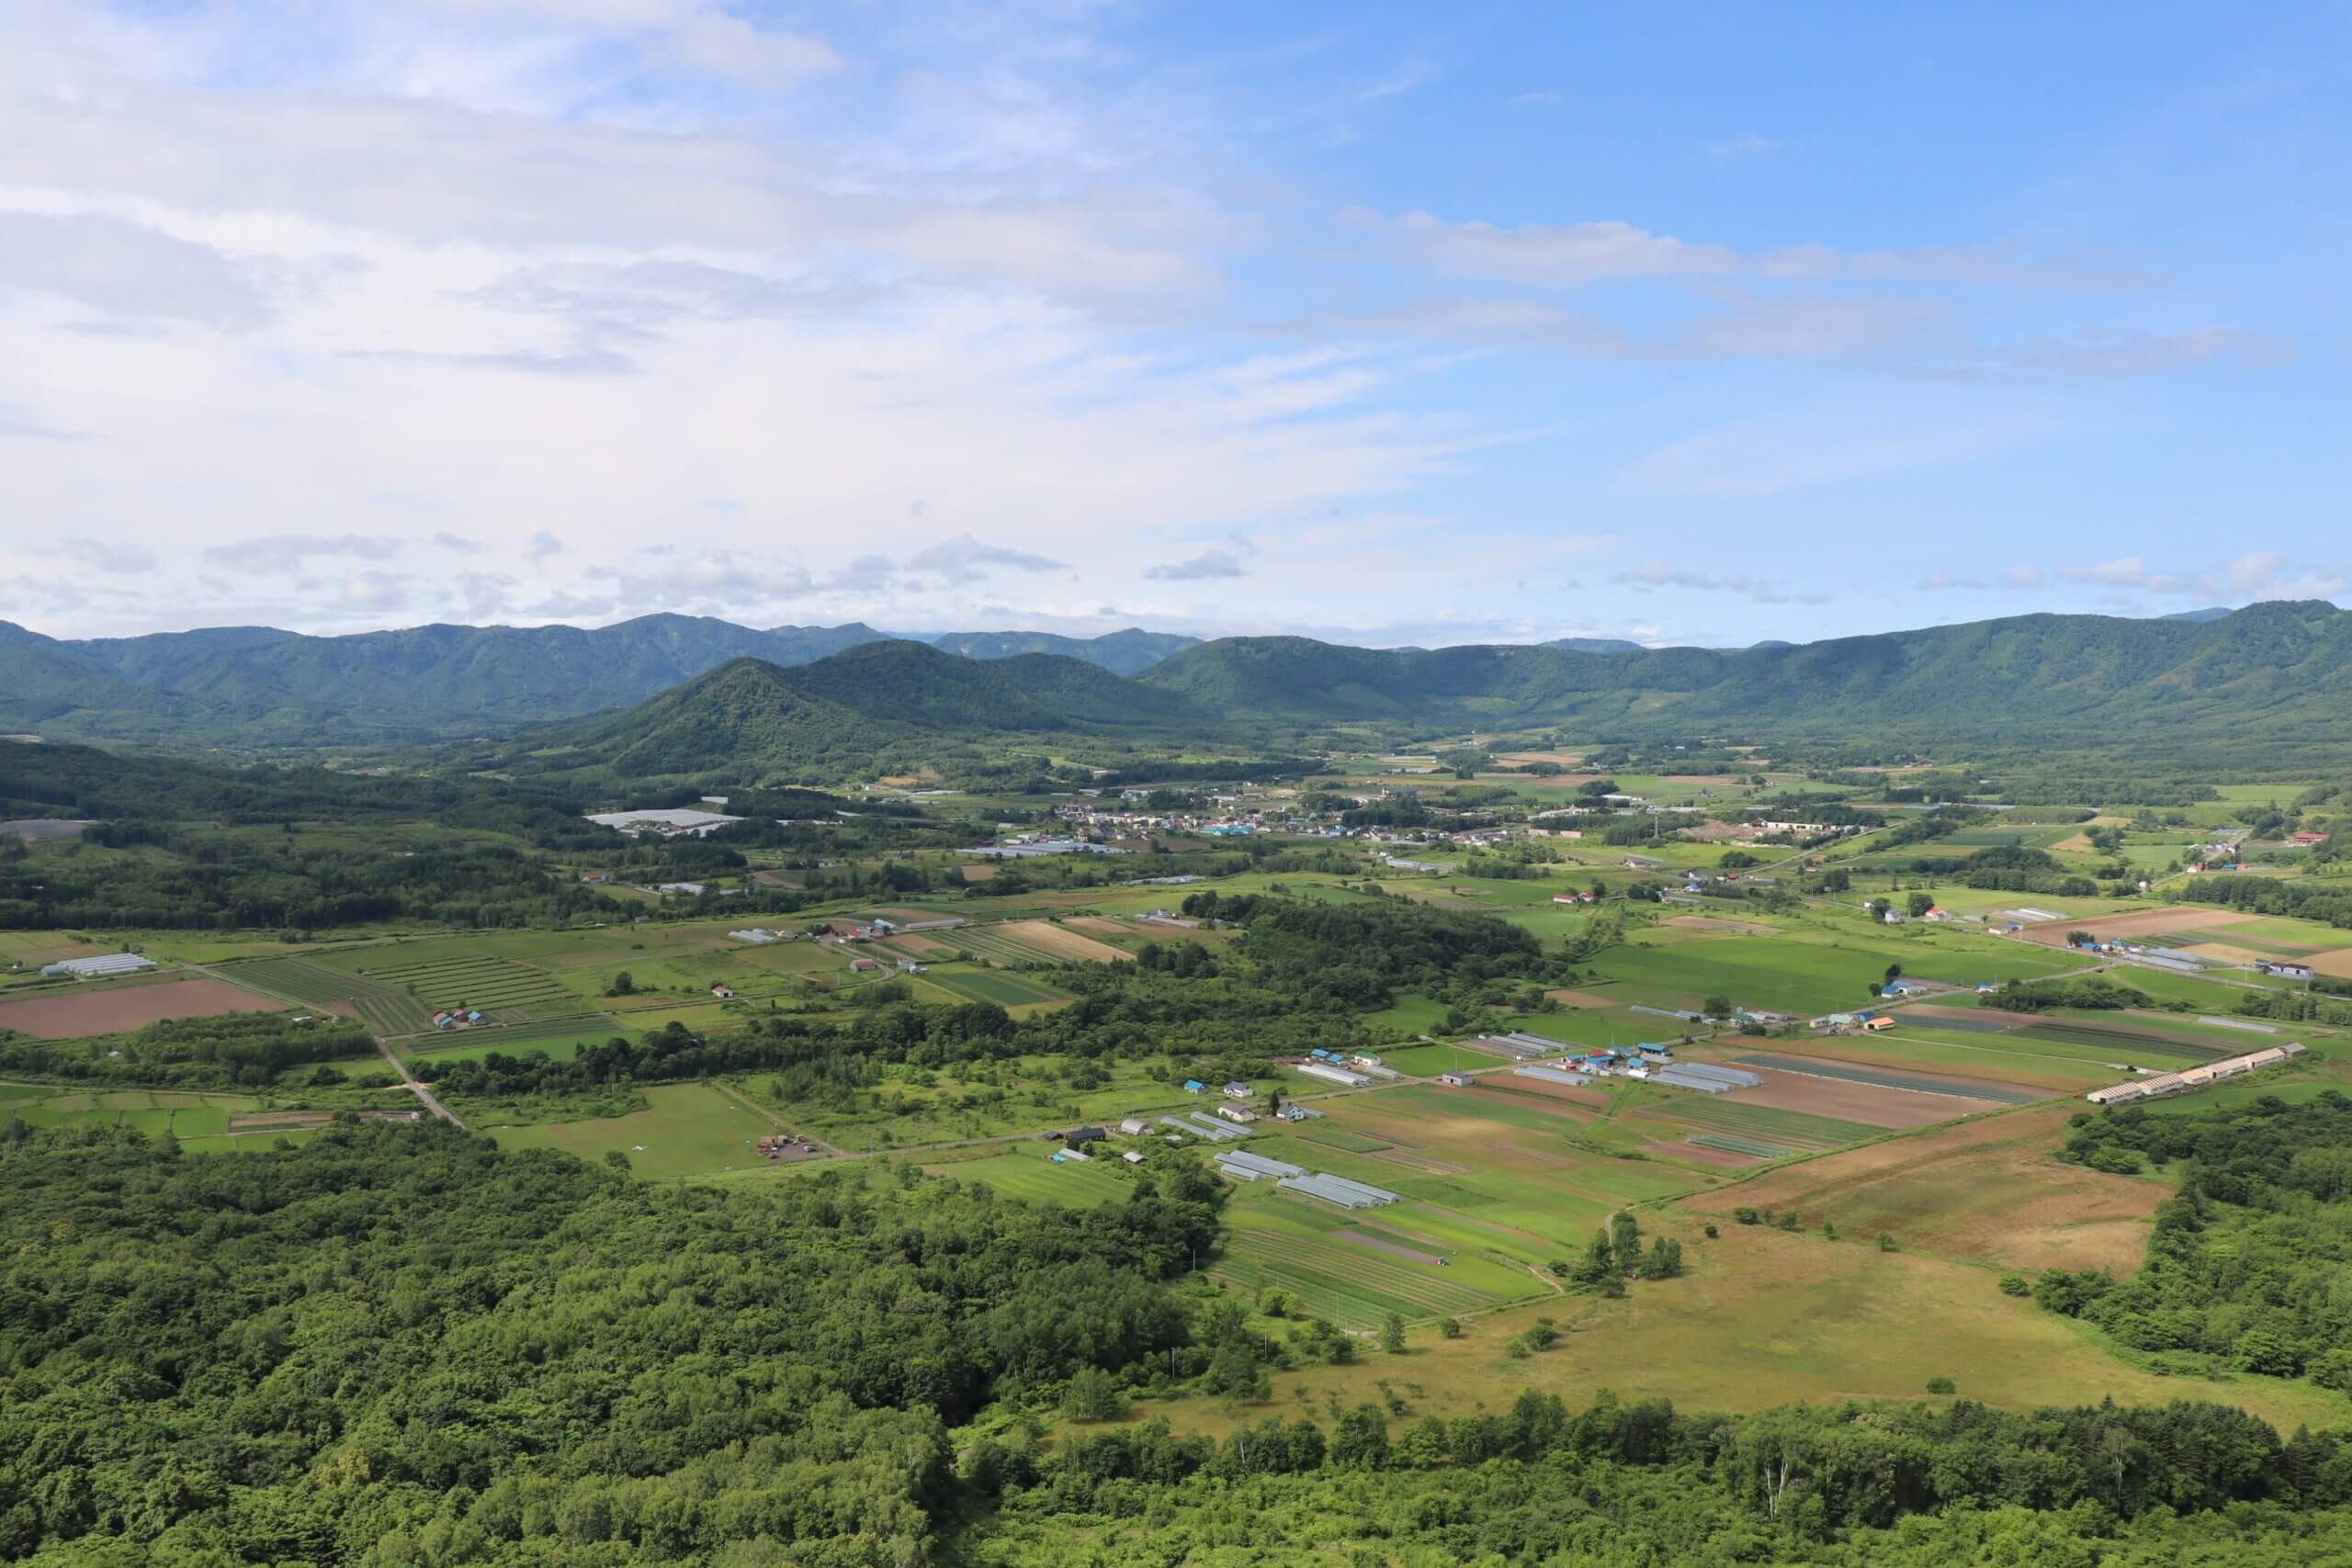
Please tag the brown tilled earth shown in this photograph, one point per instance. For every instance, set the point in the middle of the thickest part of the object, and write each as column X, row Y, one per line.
column 1866, row 1103
column 2136, row 927
column 115, row 1010
column 1989, row 1190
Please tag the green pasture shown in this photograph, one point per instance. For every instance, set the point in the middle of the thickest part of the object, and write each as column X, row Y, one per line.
column 1421, row 1061
column 1408, row 1015
column 1029, row 1171
column 1726, row 1113
column 689, row 1130
column 560, row 1038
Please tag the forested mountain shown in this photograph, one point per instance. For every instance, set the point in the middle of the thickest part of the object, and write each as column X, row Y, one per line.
column 2278, row 668
column 842, row 713
column 1130, row 653
column 259, row 685
column 2280, row 671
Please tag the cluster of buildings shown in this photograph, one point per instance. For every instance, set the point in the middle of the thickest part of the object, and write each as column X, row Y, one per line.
column 458, row 1018
column 2156, row 1086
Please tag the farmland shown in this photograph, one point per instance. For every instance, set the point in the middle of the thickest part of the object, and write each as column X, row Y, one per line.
column 688, row 1130
column 114, row 1008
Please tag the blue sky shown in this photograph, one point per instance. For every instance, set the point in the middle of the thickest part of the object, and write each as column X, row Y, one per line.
column 1390, row 323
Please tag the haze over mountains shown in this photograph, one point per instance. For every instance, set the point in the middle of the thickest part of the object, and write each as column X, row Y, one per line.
column 2273, row 668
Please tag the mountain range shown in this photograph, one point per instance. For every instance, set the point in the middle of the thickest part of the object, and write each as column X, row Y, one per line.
column 261, row 687
column 2272, row 670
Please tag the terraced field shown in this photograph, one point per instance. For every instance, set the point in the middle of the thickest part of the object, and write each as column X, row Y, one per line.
column 505, row 990
column 380, row 1008
column 993, row 944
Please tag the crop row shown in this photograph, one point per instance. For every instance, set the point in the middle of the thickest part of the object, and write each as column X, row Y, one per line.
column 1798, row 1127
column 1731, row 1142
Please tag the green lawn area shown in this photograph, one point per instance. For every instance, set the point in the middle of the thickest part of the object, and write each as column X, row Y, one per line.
column 1420, row 1061
column 1030, row 1171
column 689, row 1130
column 151, row 1111
column 1410, row 1015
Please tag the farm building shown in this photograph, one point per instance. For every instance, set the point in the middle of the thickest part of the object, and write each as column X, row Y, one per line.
column 98, row 968
column 1552, row 1075
column 1240, row 1114
column 2189, row 1079
column 1519, row 1042
column 1059, row 1156
column 1257, row 1165
column 1455, row 1080
column 1133, row 1156
column 1329, row 1074
column 1135, row 1124
column 863, row 966
column 1738, row 1077
column 2268, row 967
column 1874, row 1021
column 757, row 937
column 1656, row 1053
column 1201, row 1126
column 1340, row 1191
column 724, row 993
column 1085, row 1135
column 1364, row 1059
column 1194, row 1085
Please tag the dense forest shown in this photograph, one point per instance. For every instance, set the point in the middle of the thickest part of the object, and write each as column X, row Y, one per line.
column 2248, row 1266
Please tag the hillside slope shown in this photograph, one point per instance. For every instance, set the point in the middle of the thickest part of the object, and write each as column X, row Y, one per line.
column 260, row 686
column 2277, row 668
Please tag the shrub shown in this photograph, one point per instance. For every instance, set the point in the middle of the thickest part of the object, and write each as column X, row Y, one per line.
column 1940, row 1385
column 1746, row 1216
column 2015, row 1285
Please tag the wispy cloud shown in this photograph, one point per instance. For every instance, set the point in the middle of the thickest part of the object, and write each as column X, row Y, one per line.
column 1652, row 575
column 289, row 552
column 1207, row 566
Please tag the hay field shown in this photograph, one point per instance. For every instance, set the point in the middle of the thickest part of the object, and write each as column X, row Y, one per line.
column 1988, row 1191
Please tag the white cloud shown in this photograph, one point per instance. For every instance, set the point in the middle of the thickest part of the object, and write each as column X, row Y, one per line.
column 1652, row 575
column 965, row 560
column 1208, row 564
column 289, row 552
column 120, row 268
column 1614, row 251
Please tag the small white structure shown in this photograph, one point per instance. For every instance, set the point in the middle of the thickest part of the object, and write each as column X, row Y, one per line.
column 98, row 968
column 1134, row 1125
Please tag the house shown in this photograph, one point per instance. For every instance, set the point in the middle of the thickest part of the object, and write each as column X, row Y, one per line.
column 1893, row 917
column 1455, row 1080
column 1240, row 1114
column 1364, row 1059
column 863, row 965
column 1877, row 1021
column 1938, row 914
column 1239, row 1091
column 443, row 1021
column 2306, row 841
column 1194, row 1085
column 724, row 993
column 1904, row 987
column 1133, row 1126
column 909, row 966
column 2286, row 971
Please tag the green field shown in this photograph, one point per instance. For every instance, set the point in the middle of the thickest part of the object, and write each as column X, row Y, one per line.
column 1802, row 977
column 1274, row 1239
column 150, row 1112
column 505, row 990
column 381, row 1008
column 993, row 985
column 689, row 1130
column 1032, row 1172
column 560, row 1038
column 1422, row 1061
